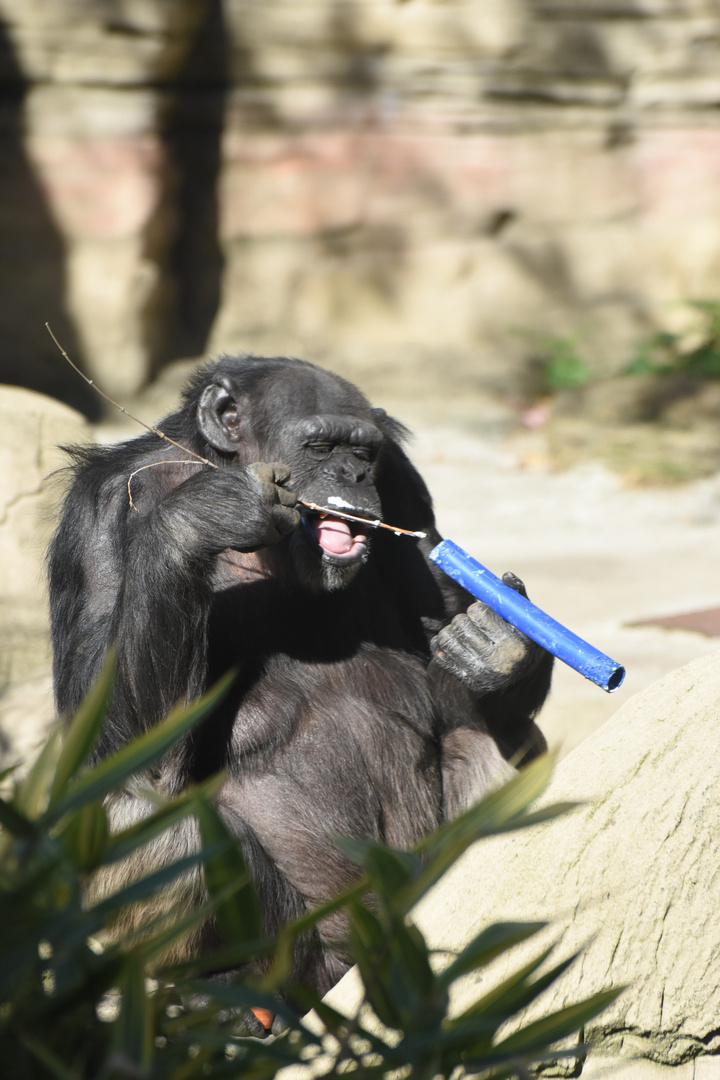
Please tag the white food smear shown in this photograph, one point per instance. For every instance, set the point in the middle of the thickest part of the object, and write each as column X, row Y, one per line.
column 335, row 500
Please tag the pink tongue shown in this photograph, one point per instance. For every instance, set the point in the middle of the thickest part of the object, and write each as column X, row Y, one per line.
column 334, row 536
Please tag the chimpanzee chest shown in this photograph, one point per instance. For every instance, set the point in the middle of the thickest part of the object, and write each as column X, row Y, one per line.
column 326, row 750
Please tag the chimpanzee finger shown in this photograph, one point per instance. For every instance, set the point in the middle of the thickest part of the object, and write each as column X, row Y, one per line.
column 488, row 622
column 462, row 643
column 281, row 472
column 276, row 475
column 286, row 496
column 285, row 519
column 515, row 583
column 266, row 477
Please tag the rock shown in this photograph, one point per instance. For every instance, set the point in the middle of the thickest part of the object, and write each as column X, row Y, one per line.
column 630, row 880
column 33, row 427
column 109, row 163
column 351, row 178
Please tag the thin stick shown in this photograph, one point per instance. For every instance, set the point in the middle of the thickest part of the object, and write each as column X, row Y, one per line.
column 153, row 465
column 148, row 427
column 376, row 524
column 373, row 524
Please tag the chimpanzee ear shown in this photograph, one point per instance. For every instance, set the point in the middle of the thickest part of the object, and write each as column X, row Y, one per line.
column 218, row 418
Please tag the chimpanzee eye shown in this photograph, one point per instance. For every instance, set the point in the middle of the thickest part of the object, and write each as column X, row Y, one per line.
column 320, row 449
column 362, row 453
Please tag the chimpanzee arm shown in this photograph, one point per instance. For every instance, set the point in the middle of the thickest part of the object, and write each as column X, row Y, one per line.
column 142, row 580
column 508, row 674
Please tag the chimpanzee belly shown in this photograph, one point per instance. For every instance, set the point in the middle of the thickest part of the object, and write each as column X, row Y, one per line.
column 342, row 748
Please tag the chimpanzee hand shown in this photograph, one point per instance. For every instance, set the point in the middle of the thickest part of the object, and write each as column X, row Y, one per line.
column 245, row 508
column 483, row 650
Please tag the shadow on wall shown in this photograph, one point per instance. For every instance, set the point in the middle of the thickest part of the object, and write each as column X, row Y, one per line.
column 32, row 267
column 182, row 237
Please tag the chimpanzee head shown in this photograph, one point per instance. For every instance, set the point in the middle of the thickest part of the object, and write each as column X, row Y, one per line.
column 322, row 427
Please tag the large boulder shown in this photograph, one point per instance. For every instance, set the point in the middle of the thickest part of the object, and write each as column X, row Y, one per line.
column 33, row 428
column 631, row 879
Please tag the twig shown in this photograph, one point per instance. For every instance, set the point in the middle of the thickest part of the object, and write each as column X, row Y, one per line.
column 148, row 427
column 376, row 524
column 153, row 465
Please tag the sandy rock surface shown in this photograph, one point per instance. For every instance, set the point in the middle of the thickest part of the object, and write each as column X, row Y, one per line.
column 630, row 880
column 32, row 427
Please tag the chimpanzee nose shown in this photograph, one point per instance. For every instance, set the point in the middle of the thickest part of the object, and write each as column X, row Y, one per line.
column 355, row 471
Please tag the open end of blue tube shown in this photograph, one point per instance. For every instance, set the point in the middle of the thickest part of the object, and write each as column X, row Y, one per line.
column 615, row 679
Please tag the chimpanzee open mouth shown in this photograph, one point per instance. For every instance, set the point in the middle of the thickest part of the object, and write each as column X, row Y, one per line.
column 339, row 540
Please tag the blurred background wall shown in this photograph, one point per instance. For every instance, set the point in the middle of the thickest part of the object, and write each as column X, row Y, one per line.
column 419, row 194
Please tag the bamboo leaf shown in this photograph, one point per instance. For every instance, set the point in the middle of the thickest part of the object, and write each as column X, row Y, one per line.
column 84, row 729
column 109, row 774
column 47, row 1059
column 502, row 810
column 15, row 822
column 85, row 835
column 238, row 916
column 369, row 947
column 501, row 999
column 144, row 887
column 558, row 1025
column 32, row 791
column 489, row 944
column 168, row 813
column 133, row 1029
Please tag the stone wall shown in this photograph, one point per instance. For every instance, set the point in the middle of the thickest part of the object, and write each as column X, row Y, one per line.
column 382, row 185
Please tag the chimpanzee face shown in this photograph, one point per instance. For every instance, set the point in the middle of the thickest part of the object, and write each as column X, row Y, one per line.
column 332, row 454
column 333, row 459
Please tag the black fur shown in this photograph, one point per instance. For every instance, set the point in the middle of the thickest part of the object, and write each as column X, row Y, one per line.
column 348, row 715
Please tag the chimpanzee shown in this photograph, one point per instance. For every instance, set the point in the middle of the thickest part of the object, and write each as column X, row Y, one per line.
column 368, row 701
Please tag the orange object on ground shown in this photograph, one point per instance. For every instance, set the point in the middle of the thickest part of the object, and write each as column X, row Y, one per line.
column 265, row 1017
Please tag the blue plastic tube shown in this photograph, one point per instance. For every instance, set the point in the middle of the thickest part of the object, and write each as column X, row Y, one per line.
column 533, row 622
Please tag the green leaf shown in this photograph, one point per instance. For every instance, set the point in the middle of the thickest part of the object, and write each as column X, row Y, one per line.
column 223, row 959
column 474, row 1033
column 168, row 813
column 133, row 1030
column 488, row 944
column 565, row 368
column 32, row 791
column 419, row 1000
column 50, row 1061
column 502, row 810
column 238, row 916
column 509, row 995
column 542, row 1033
column 240, row 995
column 138, row 890
column 85, row 834
column 84, row 729
column 369, row 948
column 109, row 774
column 390, row 871
column 499, row 807
column 15, row 822
column 409, row 950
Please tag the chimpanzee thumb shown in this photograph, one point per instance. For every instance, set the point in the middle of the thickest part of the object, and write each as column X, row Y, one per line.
column 514, row 582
